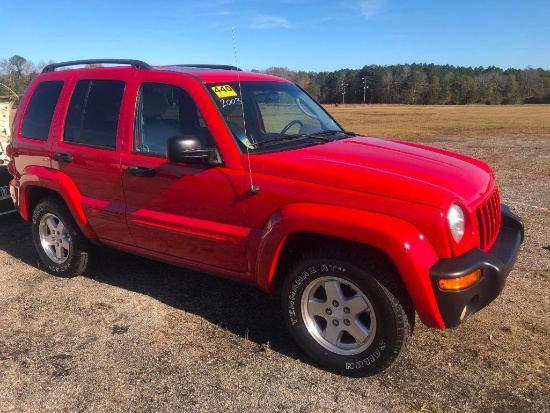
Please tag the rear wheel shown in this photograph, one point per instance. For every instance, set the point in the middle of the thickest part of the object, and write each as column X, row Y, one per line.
column 60, row 244
column 349, row 315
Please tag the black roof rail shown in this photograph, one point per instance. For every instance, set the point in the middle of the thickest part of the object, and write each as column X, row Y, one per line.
column 136, row 64
column 209, row 66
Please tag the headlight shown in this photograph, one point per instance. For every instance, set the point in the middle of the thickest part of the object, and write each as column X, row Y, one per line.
column 455, row 216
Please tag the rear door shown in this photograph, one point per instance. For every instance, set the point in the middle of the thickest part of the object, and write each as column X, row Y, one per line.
column 194, row 212
column 88, row 151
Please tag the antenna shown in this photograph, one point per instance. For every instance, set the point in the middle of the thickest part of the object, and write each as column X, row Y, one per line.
column 253, row 188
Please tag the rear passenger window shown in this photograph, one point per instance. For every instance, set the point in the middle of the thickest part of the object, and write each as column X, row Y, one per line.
column 39, row 113
column 92, row 117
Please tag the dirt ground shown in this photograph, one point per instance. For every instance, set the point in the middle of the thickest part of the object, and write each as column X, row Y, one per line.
column 137, row 335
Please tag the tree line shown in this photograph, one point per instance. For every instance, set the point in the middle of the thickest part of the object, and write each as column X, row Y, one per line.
column 426, row 84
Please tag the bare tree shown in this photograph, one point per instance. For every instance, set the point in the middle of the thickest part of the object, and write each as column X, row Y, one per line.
column 532, row 83
column 387, row 84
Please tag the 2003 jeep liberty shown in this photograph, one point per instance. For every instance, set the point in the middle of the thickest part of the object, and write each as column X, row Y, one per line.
column 246, row 176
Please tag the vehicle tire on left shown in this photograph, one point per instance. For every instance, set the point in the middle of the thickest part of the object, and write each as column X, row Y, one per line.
column 60, row 244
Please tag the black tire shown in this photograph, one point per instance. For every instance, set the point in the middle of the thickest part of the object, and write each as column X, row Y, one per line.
column 6, row 204
column 351, row 316
column 5, row 176
column 60, row 244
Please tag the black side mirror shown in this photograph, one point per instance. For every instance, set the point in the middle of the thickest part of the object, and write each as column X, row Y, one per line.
column 188, row 149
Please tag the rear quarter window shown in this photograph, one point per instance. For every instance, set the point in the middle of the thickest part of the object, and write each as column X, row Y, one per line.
column 38, row 116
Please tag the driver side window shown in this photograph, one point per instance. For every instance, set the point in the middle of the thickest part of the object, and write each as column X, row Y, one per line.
column 282, row 113
column 163, row 111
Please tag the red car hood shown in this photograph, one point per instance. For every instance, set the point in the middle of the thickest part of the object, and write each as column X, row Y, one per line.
column 399, row 170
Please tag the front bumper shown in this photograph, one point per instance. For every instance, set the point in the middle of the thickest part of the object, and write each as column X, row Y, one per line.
column 495, row 265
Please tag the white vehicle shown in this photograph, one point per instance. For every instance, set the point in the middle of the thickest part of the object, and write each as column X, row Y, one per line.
column 6, row 205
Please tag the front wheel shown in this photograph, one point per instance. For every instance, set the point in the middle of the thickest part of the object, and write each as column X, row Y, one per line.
column 351, row 316
column 60, row 244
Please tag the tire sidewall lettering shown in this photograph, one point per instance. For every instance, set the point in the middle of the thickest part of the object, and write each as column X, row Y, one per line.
column 332, row 268
column 305, row 275
column 367, row 360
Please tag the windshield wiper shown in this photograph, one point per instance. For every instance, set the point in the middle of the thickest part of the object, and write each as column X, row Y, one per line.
column 316, row 135
column 332, row 132
column 279, row 138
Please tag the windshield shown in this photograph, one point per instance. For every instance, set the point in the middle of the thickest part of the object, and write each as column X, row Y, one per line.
column 277, row 115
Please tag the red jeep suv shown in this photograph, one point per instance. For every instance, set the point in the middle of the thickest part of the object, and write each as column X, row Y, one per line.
column 246, row 176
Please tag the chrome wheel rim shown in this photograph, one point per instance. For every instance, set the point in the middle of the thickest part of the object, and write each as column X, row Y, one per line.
column 338, row 315
column 54, row 239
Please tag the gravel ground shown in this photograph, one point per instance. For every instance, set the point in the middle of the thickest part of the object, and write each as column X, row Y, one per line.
column 137, row 335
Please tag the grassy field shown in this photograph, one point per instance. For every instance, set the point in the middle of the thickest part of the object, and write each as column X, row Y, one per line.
column 138, row 335
column 426, row 122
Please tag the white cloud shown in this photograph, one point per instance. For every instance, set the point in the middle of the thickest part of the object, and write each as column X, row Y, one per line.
column 370, row 7
column 264, row 21
column 223, row 13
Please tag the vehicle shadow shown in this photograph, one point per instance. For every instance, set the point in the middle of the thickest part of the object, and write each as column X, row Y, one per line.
column 237, row 307
column 16, row 239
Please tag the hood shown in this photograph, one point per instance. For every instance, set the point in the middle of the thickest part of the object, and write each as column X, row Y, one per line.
column 399, row 170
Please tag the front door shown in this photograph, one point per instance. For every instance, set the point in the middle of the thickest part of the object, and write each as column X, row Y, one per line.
column 194, row 212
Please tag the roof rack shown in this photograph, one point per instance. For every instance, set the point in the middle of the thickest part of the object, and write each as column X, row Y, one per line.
column 209, row 66
column 136, row 64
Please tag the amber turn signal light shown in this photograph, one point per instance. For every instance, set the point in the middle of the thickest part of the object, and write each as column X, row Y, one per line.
column 459, row 283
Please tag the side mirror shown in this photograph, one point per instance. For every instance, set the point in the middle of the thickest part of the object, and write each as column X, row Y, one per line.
column 188, row 149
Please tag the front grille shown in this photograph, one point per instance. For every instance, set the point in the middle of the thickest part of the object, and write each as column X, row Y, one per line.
column 488, row 219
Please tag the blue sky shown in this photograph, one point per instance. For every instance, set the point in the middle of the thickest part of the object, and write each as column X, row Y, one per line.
column 311, row 35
